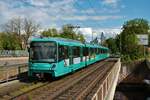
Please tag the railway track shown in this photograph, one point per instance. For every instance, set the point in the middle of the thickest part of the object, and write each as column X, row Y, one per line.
column 70, row 86
column 80, row 90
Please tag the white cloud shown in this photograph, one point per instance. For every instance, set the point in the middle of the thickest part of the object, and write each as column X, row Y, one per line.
column 49, row 12
column 97, row 18
column 89, row 32
column 97, row 11
column 38, row 2
column 109, row 32
column 40, row 10
column 113, row 3
column 110, row 1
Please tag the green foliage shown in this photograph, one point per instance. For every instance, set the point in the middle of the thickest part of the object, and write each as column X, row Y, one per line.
column 111, row 44
column 80, row 37
column 136, row 26
column 67, row 32
column 9, row 42
column 50, row 33
column 129, row 42
column 13, row 41
column 18, row 30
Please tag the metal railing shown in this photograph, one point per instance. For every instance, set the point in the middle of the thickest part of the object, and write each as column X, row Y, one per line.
column 13, row 53
column 105, row 87
column 12, row 72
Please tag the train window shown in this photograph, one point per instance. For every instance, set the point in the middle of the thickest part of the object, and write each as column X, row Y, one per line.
column 104, row 51
column 63, row 52
column 76, row 51
column 85, row 51
column 45, row 51
column 91, row 51
column 95, row 50
column 100, row 51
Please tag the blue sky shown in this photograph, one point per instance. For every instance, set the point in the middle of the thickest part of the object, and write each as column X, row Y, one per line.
column 100, row 15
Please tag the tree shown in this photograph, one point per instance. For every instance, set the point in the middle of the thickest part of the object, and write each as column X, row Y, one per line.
column 111, row 44
column 136, row 26
column 67, row 32
column 80, row 37
column 29, row 27
column 22, row 28
column 9, row 42
column 51, row 32
column 128, row 38
column 14, row 25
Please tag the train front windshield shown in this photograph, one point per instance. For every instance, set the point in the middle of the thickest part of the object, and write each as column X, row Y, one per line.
column 43, row 51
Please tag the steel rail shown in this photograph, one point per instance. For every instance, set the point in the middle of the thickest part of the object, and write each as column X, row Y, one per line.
column 60, row 86
column 83, row 86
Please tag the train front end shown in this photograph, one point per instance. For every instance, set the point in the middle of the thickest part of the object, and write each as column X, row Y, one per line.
column 42, row 58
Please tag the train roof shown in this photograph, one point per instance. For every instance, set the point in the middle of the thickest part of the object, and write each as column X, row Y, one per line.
column 69, row 42
column 61, row 41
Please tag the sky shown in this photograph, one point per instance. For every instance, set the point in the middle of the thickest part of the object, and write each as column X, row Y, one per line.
column 101, row 15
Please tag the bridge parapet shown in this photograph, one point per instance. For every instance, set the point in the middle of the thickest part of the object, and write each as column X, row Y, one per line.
column 107, row 89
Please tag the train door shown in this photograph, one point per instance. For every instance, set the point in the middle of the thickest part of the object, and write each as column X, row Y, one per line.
column 81, row 54
column 85, row 55
column 64, row 54
column 70, row 55
column 76, row 54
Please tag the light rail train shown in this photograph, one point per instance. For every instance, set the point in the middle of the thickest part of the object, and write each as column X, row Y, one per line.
column 58, row 56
